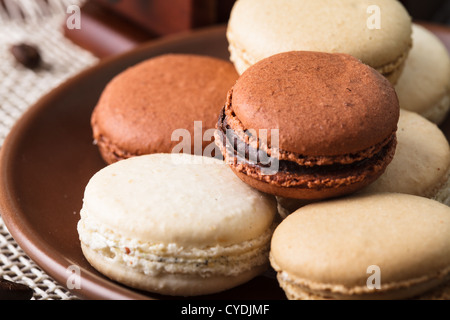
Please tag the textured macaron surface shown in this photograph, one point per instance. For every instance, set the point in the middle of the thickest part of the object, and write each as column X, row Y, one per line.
column 425, row 80
column 334, row 243
column 322, row 104
column 421, row 162
column 141, row 107
column 190, row 201
column 261, row 28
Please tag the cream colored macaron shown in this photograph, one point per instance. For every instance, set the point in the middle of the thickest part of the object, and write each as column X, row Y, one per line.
column 425, row 82
column 175, row 224
column 421, row 164
column 379, row 246
column 378, row 32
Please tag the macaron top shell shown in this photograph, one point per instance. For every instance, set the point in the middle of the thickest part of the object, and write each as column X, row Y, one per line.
column 142, row 106
column 177, row 198
column 335, row 242
column 323, row 104
column 322, row 25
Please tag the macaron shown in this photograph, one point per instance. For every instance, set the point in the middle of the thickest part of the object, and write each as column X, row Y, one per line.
column 421, row 164
column 377, row 32
column 424, row 85
column 380, row 246
column 165, row 104
column 309, row 125
column 175, row 224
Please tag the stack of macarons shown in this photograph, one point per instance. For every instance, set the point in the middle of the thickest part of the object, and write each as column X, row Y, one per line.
column 326, row 249
column 312, row 110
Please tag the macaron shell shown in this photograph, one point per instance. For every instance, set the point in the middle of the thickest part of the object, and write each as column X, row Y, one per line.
column 326, row 25
column 421, row 162
column 152, row 198
column 288, row 205
column 141, row 108
column 438, row 113
column 240, row 59
column 165, row 283
column 294, row 292
column 420, row 166
column 443, row 194
column 333, row 243
column 425, row 81
column 319, row 102
column 313, row 193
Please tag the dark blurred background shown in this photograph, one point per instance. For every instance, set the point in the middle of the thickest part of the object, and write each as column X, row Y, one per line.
column 114, row 26
column 437, row 11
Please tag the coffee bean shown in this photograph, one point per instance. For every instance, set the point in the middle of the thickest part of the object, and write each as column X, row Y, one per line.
column 14, row 291
column 27, row 55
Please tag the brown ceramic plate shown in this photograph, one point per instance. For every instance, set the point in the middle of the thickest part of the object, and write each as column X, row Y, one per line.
column 48, row 158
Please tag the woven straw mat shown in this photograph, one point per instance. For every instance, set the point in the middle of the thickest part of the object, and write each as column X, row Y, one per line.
column 38, row 22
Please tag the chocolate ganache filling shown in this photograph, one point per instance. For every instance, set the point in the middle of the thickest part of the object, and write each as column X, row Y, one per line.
column 245, row 154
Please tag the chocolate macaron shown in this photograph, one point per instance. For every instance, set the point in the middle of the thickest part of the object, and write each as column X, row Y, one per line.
column 309, row 125
column 152, row 106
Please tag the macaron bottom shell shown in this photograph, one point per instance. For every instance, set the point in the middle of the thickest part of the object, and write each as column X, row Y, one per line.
column 109, row 151
column 302, row 290
column 159, row 104
column 169, row 284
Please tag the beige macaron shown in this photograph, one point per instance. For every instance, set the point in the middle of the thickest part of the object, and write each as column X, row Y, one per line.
column 424, row 85
column 421, row 164
column 366, row 247
column 377, row 32
column 175, row 224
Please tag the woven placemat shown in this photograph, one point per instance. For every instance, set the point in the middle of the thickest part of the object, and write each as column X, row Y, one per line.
column 37, row 22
